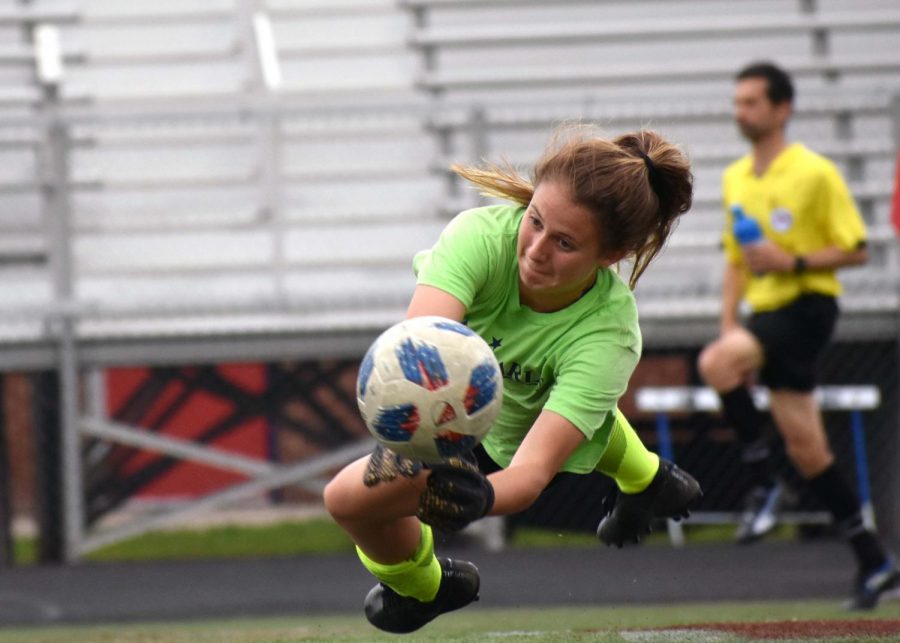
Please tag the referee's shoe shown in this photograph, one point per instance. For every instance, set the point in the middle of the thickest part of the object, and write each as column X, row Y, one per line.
column 872, row 586
column 389, row 611
column 670, row 494
column 760, row 516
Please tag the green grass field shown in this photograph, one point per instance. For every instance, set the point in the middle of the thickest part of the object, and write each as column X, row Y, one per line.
column 478, row 624
column 316, row 536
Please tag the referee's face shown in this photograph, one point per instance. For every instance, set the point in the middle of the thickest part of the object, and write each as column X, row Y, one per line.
column 558, row 249
column 755, row 114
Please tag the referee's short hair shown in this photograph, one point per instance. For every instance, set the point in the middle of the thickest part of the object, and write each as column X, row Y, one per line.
column 780, row 88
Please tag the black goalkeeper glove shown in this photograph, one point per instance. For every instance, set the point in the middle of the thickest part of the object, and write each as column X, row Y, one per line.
column 456, row 494
column 385, row 465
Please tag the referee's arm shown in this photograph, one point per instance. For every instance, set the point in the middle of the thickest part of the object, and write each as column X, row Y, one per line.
column 833, row 257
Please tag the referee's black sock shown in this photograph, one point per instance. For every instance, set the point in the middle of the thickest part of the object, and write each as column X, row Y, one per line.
column 756, row 454
column 835, row 492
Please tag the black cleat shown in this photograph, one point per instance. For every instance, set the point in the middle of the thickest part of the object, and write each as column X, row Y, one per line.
column 389, row 611
column 760, row 516
column 870, row 587
column 671, row 494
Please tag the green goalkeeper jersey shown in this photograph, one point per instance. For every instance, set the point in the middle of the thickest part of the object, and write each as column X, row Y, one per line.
column 575, row 362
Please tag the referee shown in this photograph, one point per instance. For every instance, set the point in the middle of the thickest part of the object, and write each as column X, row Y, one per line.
column 811, row 227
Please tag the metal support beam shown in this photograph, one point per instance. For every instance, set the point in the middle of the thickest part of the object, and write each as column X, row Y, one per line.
column 48, row 466
column 264, row 78
column 57, row 216
column 175, row 447
column 478, row 141
column 72, row 478
column 278, row 477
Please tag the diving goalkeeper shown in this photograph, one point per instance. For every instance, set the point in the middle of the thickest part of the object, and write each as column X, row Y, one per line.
column 535, row 279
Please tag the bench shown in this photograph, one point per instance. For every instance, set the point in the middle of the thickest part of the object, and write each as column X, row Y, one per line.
column 664, row 400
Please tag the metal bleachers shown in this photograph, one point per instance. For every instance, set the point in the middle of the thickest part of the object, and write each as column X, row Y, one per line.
column 206, row 198
column 204, row 189
column 346, row 50
column 618, row 49
column 23, row 246
column 172, row 219
column 149, row 51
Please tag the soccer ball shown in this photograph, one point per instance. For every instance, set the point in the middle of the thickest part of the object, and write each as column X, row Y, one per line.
column 429, row 388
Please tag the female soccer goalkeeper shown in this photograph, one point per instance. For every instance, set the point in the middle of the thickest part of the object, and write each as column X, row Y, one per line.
column 534, row 279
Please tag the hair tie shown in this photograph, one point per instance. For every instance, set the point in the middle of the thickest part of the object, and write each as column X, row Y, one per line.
column 653, row 175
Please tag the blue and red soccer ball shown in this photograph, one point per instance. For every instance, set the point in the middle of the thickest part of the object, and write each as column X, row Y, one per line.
column 429, row 388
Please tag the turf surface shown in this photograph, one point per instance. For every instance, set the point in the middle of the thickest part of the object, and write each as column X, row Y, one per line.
column 807, row 620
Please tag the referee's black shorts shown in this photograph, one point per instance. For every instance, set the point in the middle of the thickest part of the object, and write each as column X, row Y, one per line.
column 793, row 338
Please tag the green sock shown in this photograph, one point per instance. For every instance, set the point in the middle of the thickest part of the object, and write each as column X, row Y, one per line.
column 626, row 460
column 418, row 577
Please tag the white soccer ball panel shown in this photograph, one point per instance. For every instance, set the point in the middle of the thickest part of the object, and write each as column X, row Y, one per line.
column 429, row 388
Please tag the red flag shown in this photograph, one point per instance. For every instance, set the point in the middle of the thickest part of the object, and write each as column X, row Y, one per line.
column 895, row 202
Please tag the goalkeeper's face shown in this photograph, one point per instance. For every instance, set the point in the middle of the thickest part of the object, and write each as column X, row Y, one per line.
column 558, row 249
column 754, row 112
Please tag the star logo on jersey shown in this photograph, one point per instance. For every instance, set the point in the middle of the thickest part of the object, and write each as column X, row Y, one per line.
column 495, row 343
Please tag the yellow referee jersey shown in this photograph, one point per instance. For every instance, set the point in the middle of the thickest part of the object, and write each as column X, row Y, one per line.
column 803, row 205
